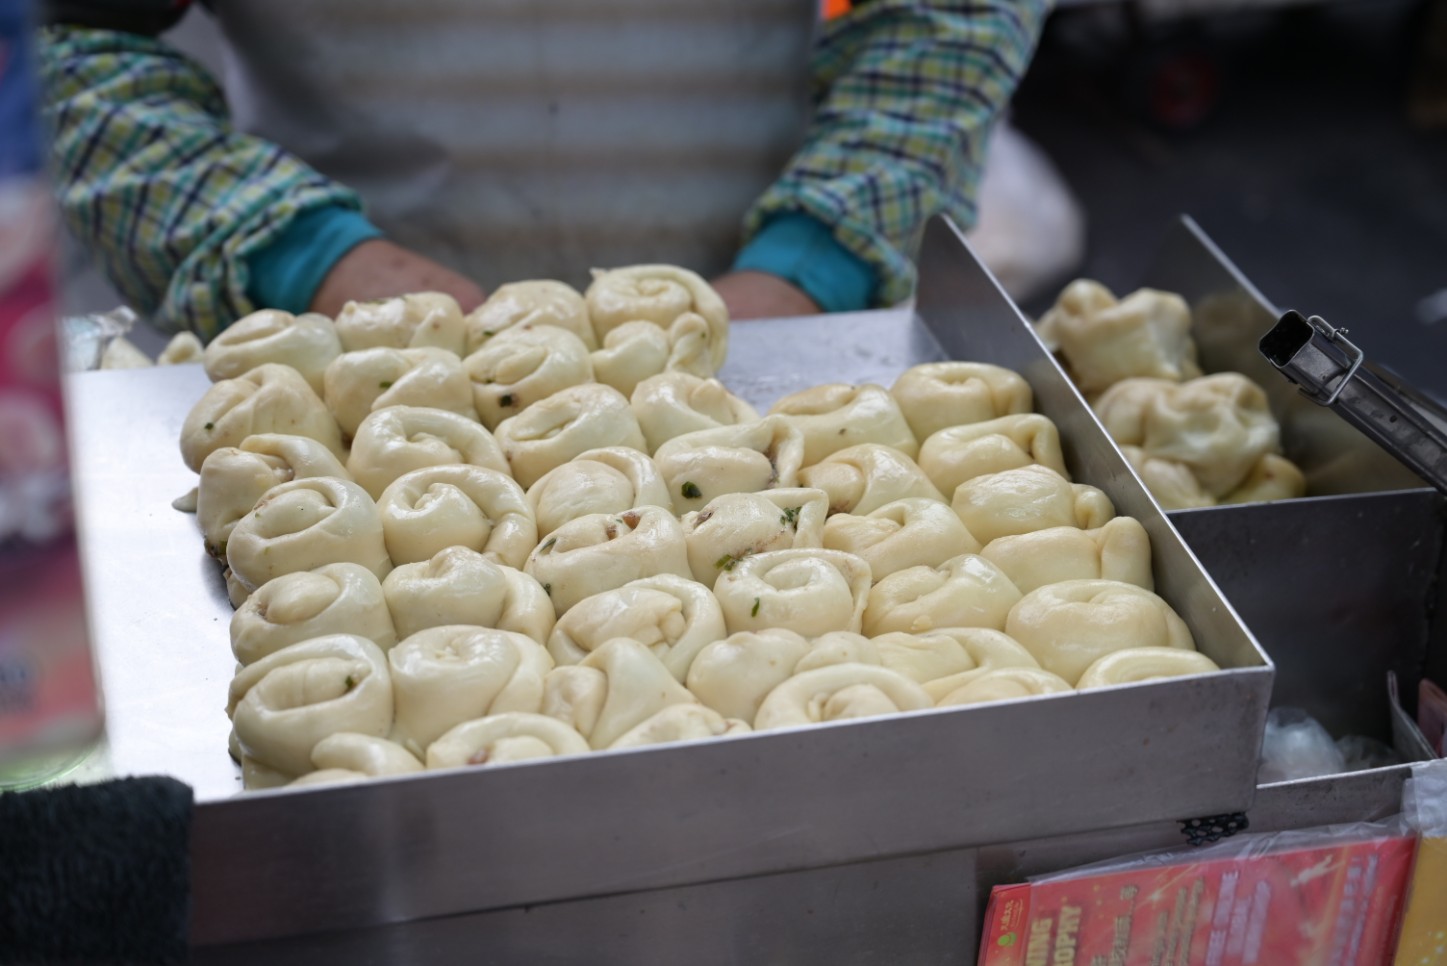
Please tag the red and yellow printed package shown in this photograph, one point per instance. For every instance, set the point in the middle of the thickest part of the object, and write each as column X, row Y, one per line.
column 1424, row 929
column 49, row 703
column 1295, row 898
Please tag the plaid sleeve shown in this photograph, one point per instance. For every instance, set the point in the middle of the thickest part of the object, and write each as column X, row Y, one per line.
column 153, row 180
column 906, row 92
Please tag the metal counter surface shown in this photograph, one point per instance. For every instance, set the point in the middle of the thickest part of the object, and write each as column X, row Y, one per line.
column 289, row 863
column 158, row 609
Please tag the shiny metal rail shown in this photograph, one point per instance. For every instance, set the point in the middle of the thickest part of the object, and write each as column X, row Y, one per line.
column 1332, row 371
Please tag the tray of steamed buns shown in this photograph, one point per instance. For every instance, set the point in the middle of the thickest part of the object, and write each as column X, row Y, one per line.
column 591, row 591
column 1174, row 370
column 545, row 529
column 1195, row 439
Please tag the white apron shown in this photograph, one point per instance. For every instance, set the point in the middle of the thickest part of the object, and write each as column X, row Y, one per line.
column 514, row 139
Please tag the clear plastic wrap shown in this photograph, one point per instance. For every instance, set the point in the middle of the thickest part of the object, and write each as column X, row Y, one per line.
column 87, row 337
column 1296, row 746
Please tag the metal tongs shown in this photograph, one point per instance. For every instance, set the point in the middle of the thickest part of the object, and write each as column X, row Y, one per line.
column 1332, row 371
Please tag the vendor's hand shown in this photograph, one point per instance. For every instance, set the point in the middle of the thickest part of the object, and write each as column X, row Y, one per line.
column 759, row 295
column 379, row 269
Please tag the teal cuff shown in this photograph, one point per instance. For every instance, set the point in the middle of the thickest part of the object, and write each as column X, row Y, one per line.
column 287, row 273
column 803, row 251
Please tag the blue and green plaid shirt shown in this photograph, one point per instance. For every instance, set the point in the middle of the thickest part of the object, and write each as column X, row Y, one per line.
column 182, row 210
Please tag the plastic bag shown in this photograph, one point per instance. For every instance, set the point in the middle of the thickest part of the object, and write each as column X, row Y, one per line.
column 1031, row 229
column 1295, row 746
column 1360, row 753
column 99, row 341
column 87, row 337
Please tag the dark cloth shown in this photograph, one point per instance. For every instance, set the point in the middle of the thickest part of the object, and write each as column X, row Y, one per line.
column 96, row 873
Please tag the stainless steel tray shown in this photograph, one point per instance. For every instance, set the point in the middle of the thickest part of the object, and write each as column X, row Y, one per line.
column 1341, row 587
column 914, row 909
column 278, row 864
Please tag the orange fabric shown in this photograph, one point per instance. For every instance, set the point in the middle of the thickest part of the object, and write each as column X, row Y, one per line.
column 835, row 8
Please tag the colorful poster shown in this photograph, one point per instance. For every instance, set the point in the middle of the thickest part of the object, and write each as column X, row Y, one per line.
column 1337, row 905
